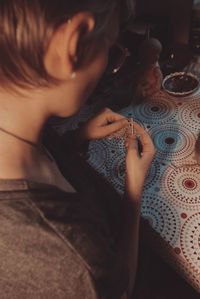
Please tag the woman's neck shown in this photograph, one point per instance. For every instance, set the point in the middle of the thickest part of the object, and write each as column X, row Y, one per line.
column 25, row 118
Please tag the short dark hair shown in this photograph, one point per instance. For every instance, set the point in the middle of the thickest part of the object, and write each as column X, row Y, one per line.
column 26, row 27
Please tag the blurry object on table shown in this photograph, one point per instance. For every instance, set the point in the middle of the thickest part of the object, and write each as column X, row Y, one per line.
column 149, row 76
column 180, row 83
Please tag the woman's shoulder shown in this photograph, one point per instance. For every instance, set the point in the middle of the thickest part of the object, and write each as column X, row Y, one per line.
column 50, row 236
column 35, row 256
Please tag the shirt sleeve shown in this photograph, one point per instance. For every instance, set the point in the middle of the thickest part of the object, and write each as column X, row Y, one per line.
column 82, row 222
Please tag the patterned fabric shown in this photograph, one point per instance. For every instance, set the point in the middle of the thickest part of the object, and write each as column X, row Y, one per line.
column 55, row 245
column 171, row 197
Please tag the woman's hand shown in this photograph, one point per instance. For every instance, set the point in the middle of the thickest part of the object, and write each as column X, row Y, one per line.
column 137, row 165
column 102, row 125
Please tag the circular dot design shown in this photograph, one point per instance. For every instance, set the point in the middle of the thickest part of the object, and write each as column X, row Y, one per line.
column 98, row 155
column 182, row 186
column 190, row 115
column 115, row 144
column 153, row 174
column 173, row 143
column 157, row 111
column 189, row 184
column 129, row 112
column 116, row 173
column 190, row 240
column 161, row 216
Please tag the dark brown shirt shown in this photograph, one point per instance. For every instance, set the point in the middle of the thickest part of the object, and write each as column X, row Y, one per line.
column 55, row 245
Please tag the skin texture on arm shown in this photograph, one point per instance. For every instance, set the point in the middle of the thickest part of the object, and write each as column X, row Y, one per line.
column 137, row 167
column 105, row 123
column 136, row 170
column 128, row 239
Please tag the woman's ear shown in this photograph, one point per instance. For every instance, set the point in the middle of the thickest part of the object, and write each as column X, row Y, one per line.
column 61, row 55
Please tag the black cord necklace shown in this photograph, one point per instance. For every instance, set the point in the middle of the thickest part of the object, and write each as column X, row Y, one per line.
column 38, row 146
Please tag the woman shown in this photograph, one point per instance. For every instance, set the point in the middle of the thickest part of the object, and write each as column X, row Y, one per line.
column 53, row 242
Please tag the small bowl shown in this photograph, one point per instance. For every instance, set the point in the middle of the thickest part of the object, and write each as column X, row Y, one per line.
column 180, row 83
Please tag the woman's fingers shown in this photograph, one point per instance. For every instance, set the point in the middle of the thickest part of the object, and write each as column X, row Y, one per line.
column 145, row 138
column 145, row 151
column 113, row 127
column 107, row 116
column 103, row 124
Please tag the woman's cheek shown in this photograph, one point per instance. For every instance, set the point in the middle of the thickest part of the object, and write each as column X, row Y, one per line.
column 99, row 69
column 105, row 60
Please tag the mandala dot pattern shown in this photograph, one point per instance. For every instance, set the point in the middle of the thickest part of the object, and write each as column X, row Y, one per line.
column 181, row 186
column 173, row 142
column 162, row 216
column 153, row 174
column 190, row 115
column 171, row 196
column 156, row 111
column 190, row 241
column 98, row 156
